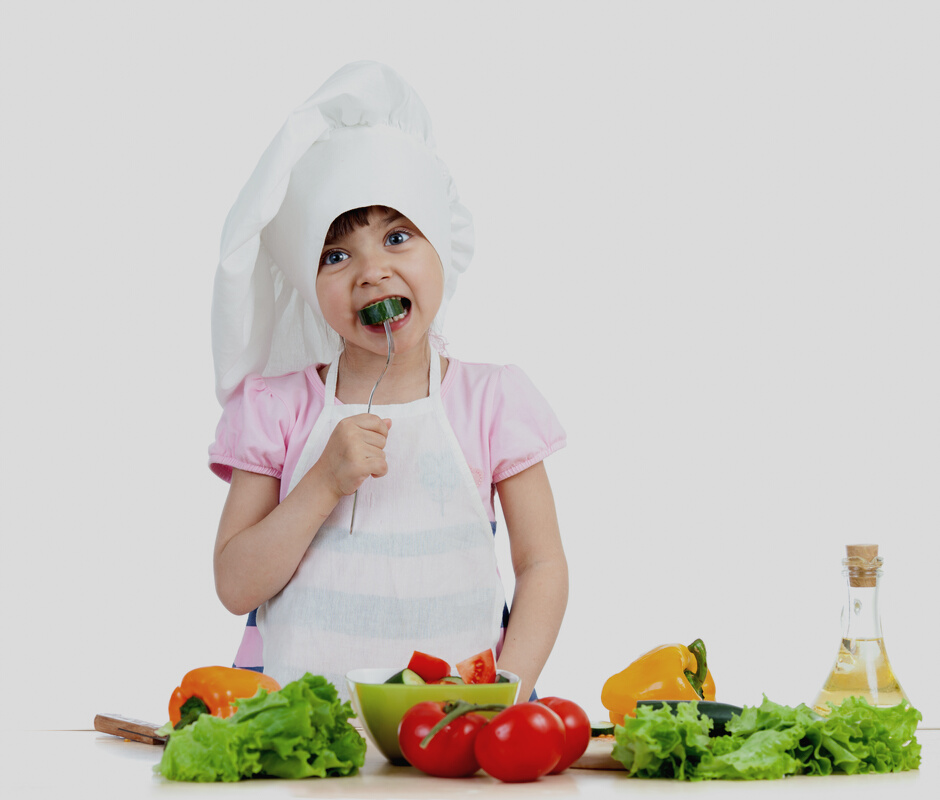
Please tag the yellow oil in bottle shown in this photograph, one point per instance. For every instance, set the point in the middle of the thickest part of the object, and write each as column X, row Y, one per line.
column 862, row 668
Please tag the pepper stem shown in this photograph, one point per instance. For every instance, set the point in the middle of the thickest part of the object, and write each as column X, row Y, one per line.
column 697, row 678
column 454, row 709
column 190, row 711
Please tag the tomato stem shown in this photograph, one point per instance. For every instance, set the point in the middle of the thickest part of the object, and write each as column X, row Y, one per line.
column 457, row 708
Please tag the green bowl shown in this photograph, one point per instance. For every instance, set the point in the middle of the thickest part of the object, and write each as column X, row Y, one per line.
column 380, row 706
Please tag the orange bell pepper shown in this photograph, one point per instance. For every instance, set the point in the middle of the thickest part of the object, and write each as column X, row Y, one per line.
column 211, row 690
column 669, row 672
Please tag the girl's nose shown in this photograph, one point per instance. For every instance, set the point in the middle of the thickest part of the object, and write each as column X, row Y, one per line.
column 374, row 267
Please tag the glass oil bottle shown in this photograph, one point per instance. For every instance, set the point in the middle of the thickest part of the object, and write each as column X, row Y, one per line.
column 862, row 668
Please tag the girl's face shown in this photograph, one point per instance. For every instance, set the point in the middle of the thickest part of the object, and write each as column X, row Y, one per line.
column 388, row 257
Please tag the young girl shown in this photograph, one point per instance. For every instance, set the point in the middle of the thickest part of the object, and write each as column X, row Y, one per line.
column 349, row 205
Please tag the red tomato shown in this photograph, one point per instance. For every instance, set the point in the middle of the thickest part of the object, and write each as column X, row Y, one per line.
column 521, row 743
column 577, row 730
column 430, row 668
column 450, row 753
column 480, row 668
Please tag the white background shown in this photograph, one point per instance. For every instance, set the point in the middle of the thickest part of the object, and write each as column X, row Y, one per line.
column 707, row 231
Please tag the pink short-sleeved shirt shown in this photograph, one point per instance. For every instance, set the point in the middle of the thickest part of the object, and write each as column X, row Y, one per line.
column 502, row 422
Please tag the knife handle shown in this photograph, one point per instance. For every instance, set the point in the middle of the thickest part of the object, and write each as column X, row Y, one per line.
column 134, row 729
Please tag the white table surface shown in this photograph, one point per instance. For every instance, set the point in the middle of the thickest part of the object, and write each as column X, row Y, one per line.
column 51, row 764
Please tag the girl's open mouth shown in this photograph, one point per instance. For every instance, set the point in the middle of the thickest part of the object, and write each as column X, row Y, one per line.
column 376, row 311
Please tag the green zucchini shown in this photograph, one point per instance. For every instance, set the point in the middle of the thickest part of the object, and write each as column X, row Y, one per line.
column 407, row 677
column 452, row 680
column 385, row 309
column 602, row 728
column 719, row 713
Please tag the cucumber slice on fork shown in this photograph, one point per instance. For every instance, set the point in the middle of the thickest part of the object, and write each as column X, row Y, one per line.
column 383, row 310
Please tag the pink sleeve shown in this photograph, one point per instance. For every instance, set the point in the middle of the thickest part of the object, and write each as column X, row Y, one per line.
column 252, row 433
column 524, row 429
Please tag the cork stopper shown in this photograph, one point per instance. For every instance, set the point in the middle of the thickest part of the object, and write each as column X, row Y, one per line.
column 868, row 552
column 863, row 563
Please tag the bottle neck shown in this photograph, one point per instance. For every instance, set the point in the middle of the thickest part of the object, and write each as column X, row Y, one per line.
column 861, row 618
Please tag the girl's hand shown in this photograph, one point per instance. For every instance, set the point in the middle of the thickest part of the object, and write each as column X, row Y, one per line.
column 355, row 451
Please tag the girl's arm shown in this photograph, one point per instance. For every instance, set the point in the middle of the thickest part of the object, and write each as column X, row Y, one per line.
column 538, row 560
column 261, row 542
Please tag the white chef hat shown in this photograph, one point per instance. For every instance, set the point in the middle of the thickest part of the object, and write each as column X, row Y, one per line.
column 364, row 138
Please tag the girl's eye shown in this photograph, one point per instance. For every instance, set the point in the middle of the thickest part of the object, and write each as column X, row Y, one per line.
column 397, row 237
column 333, row 257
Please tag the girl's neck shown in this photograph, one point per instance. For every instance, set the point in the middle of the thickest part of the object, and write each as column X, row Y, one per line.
column 406, row 379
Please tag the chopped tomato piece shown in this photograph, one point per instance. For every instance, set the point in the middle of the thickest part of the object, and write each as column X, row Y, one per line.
column 480, row 668
column 428, row 667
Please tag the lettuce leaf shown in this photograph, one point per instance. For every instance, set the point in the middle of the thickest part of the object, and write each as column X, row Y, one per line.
column 659, row 745
column 769, row 741
column 300, row 731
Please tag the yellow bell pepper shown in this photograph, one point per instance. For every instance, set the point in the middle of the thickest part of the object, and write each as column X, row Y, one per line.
column 668, row 672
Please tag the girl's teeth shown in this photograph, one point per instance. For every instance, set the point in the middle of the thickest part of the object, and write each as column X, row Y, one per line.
column 392, row 319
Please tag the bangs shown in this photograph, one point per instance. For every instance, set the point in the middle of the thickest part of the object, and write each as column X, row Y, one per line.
column 348, row 221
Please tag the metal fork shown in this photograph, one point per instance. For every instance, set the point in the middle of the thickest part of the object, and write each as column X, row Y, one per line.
column 388, row 360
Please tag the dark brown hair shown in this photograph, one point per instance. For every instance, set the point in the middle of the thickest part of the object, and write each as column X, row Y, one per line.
column 348, row 221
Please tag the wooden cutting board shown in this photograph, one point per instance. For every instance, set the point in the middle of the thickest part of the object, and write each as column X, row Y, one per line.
column 597, row 755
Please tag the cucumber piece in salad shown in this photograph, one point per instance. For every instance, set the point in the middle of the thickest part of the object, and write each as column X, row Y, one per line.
column 408, row 677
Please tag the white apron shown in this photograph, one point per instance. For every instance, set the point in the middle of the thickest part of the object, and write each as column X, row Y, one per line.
column 417, row 573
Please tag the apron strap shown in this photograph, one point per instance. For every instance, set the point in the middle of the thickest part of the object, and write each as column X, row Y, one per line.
column 330, row 389
column 434, row 376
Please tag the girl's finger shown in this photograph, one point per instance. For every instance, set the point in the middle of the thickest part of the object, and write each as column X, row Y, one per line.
column 370, row 422
column 373, row 439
